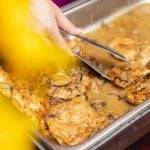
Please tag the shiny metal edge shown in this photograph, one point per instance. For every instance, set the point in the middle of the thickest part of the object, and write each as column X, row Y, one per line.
column 119, row 125
column 116, row 127
column 76, row 4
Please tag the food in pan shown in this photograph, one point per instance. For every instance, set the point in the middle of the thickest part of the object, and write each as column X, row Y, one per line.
column 73, row 121
column 139, row 91
column 66, row 111
column 137, row 52
column 129, row 36
column 72, row 106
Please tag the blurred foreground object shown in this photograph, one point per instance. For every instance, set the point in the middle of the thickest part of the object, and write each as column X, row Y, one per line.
column 13, row 127
column 24, row 51
column 51, row 17
column 23, row 47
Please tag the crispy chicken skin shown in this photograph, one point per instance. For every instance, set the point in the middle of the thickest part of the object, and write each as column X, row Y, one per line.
column 26, row 101
column 122, row 77
column 137, row 53
column 126, row 46
column 125, row 76
column 140, row 91
column 73, row 121
column 82, row 81
column 33, row 105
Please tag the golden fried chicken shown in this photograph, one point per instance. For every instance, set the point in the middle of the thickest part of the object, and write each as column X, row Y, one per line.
column 80, row 83
column 137, row 53
column 123, row 77
column 140, row 91
column 32, row 104
column 72, row 122
column 126, row 46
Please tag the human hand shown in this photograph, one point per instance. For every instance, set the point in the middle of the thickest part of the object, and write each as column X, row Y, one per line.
column 51, row 17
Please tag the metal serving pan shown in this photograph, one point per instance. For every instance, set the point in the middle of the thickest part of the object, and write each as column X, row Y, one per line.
column 134, row 124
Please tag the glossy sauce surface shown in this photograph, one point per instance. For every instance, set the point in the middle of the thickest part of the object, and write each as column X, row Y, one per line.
column 133, row 25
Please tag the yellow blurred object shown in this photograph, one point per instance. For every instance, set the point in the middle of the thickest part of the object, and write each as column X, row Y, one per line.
column 24, row 52
column 13, row 127
column 24, row 49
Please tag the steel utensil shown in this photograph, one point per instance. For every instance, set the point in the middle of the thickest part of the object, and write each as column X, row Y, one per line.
column 102, row 47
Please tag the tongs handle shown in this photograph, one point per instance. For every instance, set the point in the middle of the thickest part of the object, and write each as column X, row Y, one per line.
column 104, row 48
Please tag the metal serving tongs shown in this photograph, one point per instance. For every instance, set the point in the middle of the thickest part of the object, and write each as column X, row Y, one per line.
column 102, row 47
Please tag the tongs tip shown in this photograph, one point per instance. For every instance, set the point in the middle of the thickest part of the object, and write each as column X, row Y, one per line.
column 123, row 58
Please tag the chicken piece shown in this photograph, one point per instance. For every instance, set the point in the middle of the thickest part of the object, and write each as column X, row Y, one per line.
column 126, row 46
column 25, row 100
column 83, row 83
column 140, row 91
column 79, row 85
column 20, row 94
column 137, row 52
column 130, row 48
column 29, row 103
column 34, row 106
column 123, row 77
column 72, row 122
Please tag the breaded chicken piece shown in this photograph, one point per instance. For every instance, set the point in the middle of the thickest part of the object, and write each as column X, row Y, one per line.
column 137, row 53
column 123, row 77
column 78, row 87
column 72, row 122
column 81, row 82
column 140, row 91
column 126, row 46
column 34, row 106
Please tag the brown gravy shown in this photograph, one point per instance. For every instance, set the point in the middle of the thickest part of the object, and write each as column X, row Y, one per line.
column 134, row 24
